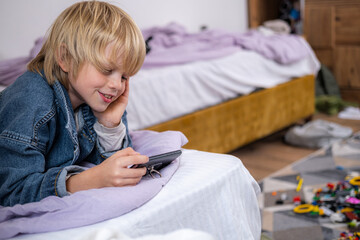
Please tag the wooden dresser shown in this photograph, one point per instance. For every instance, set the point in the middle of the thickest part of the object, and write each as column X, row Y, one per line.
column 332, row 27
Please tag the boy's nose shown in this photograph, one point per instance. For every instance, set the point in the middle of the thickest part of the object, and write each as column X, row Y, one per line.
column 115, row 84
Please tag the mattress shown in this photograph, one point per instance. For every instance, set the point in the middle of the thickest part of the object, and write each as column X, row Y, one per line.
column 229, row 125
column 209, row 192
column 161, row 94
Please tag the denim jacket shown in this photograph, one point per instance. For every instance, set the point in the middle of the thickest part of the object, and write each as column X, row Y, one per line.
column 39, row 142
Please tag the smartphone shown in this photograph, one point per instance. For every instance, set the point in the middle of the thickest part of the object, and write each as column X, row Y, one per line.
column 159, row 161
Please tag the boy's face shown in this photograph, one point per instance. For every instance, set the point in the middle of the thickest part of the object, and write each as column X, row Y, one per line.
column 95, row 88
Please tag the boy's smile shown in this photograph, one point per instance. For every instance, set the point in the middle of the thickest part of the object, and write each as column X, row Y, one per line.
column 106, row 97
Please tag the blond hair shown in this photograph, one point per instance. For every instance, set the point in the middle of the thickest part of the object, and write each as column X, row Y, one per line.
column 82, row 32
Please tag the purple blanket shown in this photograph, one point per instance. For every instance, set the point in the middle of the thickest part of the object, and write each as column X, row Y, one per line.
column 96, row 205
column 172, row 45
column 11, row 69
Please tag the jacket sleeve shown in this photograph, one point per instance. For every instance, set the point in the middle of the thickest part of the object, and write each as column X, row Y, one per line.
column 24, row 175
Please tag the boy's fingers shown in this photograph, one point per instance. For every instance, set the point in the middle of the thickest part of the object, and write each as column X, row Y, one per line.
column 134, row 159
column 126, row 152
column 127, row 90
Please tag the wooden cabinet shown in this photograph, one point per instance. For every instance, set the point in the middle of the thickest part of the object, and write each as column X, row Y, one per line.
column 332, row 27
column 260, row 11
column 317, row 27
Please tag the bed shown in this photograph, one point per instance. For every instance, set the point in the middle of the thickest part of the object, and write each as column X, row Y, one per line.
column 227, row 126
column 226, row 93
column 225, row 90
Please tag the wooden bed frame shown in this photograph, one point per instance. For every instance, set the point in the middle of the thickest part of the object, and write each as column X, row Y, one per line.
column 232, row 124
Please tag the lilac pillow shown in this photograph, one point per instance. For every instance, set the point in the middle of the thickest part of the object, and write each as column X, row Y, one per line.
column 151, row 143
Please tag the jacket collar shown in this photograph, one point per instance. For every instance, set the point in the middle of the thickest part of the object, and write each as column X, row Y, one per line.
column 63, row 100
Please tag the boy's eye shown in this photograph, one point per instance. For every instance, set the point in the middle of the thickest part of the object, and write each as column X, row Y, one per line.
column 107, row 71
column 123, row 78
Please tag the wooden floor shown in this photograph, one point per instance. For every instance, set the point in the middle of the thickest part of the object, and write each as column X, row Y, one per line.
column 270, row 154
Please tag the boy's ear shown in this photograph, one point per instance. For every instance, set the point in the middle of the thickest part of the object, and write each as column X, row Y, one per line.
column 62, row 58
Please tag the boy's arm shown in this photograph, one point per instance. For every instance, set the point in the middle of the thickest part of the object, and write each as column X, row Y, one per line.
column 110, row 140
column 23, row 176
column 112, row 117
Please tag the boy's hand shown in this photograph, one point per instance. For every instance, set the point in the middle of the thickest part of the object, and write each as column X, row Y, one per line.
column 111, row 117
column 113, row 172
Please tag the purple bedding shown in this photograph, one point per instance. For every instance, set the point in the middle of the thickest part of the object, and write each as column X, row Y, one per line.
column 11, row 69
column 172, row 45
column 54, row 213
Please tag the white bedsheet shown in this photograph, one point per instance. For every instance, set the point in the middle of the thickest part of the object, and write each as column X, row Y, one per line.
column 160, row 94
column 210, row 192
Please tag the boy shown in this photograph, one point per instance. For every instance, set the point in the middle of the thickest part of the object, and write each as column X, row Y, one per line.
column 69, row 109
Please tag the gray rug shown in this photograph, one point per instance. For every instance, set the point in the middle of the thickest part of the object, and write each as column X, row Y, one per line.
column 328, row 165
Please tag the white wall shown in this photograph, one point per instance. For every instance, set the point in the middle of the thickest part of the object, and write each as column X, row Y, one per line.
column 23, row 21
